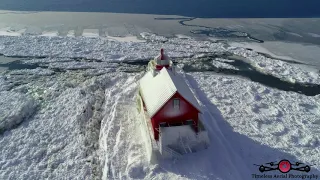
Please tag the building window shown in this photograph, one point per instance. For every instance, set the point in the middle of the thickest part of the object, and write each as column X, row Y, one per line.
column 176, row 103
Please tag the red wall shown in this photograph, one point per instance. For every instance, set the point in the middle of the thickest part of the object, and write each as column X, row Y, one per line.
column 169, row 115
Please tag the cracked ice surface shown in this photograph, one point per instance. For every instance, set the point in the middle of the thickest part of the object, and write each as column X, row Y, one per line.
column 277, row 68
column 96, row 48
column 103, row 49
column 248, row 123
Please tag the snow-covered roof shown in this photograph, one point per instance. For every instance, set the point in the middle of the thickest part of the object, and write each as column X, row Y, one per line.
column 157, row 90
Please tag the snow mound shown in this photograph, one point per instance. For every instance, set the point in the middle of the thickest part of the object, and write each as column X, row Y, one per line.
column 120, row 136
column 62, row 136
column 14, row 108
column 51, row 143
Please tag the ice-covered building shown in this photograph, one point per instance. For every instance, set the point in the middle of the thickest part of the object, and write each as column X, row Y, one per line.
column 170, row 110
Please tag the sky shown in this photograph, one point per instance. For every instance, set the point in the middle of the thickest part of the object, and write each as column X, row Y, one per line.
column 190, row 8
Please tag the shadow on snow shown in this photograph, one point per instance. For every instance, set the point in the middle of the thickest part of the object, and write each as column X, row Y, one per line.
column 230, row 154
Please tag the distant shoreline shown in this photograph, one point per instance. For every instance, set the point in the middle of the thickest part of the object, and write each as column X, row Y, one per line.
column 187, row 8
column 120, row 24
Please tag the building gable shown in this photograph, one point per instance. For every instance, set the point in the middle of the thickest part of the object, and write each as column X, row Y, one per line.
column 167, row 111
column 156, row 91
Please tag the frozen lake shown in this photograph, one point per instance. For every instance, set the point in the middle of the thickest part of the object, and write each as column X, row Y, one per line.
column 69, row 72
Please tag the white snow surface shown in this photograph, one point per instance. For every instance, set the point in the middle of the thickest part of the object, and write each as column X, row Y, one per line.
column 256, row 125
column 261, row 124
column 48, row 145
column 253, row 126
column 53, row 143
column 87, row 127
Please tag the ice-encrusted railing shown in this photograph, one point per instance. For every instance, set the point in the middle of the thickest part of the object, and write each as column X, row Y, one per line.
column 166, row 150
column 146, row 122
column 173, row 153
column 178, row 140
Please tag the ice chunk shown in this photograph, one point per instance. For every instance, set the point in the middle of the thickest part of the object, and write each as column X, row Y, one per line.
column 90, row 33
column 50, row 33
column 8, row 32
column 14, row 108
column 71, row 33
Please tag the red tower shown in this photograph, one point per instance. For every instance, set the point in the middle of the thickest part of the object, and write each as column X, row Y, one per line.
column 163, row 60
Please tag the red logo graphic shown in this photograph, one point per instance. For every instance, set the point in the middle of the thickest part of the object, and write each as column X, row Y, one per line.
column 284, row 166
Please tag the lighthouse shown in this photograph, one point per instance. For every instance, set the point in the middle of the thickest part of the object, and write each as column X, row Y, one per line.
column 162, row 60
column 170, row 113
column 159, row 62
